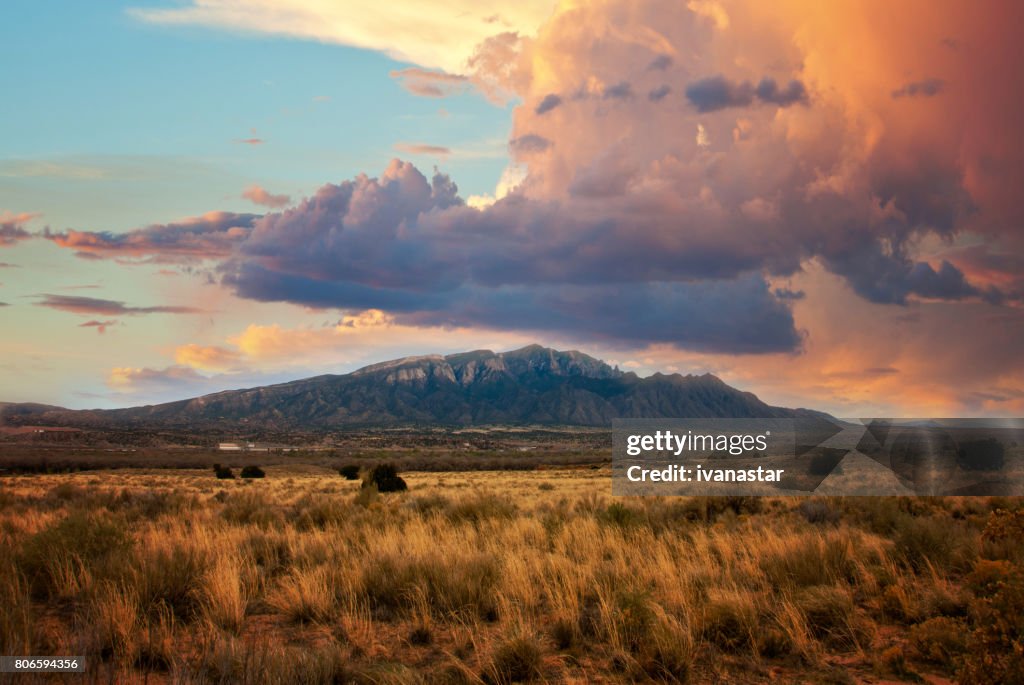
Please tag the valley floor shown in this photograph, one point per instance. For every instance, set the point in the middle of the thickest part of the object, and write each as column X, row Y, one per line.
column 497, row 577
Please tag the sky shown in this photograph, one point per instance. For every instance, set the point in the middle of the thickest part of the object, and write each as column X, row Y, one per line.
column 818, row 202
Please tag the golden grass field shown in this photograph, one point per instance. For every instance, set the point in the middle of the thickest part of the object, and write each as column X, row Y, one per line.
column 497, row 577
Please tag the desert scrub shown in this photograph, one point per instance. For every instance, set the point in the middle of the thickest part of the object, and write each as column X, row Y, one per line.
column 455, row 585
column 305, row 596
column 83, row 547
column 515, row 660
column 114, row 618
column 251, row 507
column 995, row 649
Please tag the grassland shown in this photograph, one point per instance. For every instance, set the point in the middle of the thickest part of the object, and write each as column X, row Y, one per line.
column 171, row 575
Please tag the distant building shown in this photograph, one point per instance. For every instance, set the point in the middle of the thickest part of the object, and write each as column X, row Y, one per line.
column 229, row 447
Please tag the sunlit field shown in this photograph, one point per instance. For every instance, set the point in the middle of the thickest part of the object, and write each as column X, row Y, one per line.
column 498, row 577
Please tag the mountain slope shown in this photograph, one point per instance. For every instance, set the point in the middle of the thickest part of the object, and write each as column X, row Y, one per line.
column 533, row 385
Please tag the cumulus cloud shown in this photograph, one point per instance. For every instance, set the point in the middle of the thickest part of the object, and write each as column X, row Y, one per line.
column 94, row 305
column 622, row 203
column 206, row 357
column 261, row 196
column 439, row 36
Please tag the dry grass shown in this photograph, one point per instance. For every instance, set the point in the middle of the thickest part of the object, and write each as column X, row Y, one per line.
column 487, row 577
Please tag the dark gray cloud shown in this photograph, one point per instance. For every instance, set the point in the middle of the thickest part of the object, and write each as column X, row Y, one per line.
column 660, row 63
column 769, row 91
column 550, row 102
column 927, row 88
column 94, row 305
column 659, row 93
column 717, row 92
column 619, row 91
column 211, row 235
column 529, row 143
column 11, row 232
column 602, row 262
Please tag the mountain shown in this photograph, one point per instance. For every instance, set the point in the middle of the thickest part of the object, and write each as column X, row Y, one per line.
column 532, row 385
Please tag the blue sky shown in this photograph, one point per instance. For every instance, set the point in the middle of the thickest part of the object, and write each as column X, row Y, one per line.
column 120, row 122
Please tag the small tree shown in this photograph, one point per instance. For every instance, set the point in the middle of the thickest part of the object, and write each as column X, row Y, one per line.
column 350, row 471
column 223, row 472
column 252, row 472
column 386, row 478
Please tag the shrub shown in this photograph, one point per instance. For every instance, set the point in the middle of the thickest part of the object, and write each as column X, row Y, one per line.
column 305, row 596
column 939, row 641
column 252, row 472
column 730, row 622
column 516, row 660
column 250, row 508
column 995, row 650
column 818, row 511
column 831, row 616
column 223, row 472
column 350, row 471
column 385, row 477
column 171, row 579
column 618, row 514
column 58, row 560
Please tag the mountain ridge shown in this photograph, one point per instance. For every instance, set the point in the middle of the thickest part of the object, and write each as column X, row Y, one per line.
column 530, row 385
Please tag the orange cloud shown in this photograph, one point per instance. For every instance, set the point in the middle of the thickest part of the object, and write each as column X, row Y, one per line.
column 260, row 196
column 206, row 358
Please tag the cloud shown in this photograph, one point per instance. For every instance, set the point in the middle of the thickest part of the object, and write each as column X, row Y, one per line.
column 251, row 141
column 660, row 63
column 211, row 235
column 622, row 203
column 206, row 357
column 619, row 91
column 423, row 149
column 658, row 94
column 93, row 305
column 100, row 326
column 4, row 304
column 550, row 102
column 717, row 92
column 150, row 382
column 430, row 84
column 12, row 229
column 927, row 88
column 260, row 196
column 435, row 36
column 5, row 265
column 529, row 144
